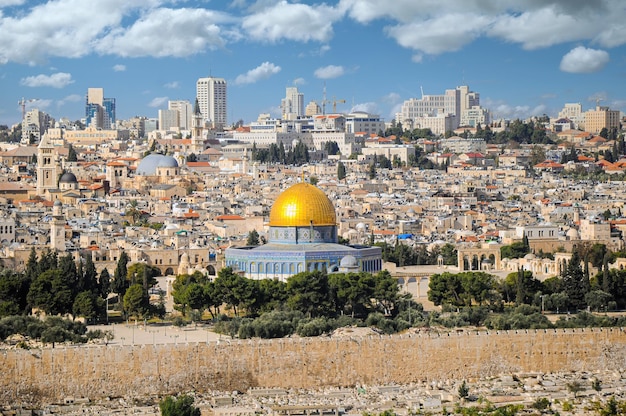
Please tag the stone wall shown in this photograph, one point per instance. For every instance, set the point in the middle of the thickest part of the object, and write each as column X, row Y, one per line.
column 46, row 375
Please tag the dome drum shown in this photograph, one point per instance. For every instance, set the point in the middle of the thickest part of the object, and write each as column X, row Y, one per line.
column 303, row 235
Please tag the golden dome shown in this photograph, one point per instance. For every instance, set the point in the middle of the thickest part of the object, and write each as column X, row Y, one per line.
column 302, row 205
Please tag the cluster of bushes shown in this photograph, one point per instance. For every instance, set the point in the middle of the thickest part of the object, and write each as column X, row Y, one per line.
column 50, row 330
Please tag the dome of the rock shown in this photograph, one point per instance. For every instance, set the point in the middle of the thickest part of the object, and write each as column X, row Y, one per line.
column 302, row 205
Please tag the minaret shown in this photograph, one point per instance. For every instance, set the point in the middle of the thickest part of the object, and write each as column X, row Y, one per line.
column 47, row 168
column 57, row 227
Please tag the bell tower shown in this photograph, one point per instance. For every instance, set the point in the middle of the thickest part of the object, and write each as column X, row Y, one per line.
column 47, row 167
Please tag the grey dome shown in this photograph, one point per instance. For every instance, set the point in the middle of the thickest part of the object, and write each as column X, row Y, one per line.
column 150, row 163
column 68, row 177
column 348, row 262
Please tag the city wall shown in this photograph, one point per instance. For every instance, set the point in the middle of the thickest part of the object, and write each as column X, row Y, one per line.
column 51, row 374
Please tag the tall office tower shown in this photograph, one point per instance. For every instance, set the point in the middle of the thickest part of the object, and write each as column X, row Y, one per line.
column 211, row 95
column 99, row 111
column 185, row 113
column 293, row 104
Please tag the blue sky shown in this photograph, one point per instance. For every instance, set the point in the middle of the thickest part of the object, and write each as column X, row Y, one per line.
column 524, row 60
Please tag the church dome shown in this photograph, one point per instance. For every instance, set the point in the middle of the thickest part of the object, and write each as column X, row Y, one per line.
column 302, row 205
column 149, row 164
column 68, row 177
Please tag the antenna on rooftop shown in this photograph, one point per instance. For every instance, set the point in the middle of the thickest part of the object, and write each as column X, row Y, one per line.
column 422, row 90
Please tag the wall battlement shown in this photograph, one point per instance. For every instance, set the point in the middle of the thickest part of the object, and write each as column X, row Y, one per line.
column 46, row 375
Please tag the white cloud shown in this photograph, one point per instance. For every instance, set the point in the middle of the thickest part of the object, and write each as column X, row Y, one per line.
column 298, row 22
column 370, row 107
column 7, row 3
column 39, row 103
column 442, row 34
column 58, row 80
column 119, row 68
column 73, row 98
column 263, row 71
column 429, row 25
column 330, row 71
column 417, row 58
column 391, row 98
column 166, row 32
column 299, row 81
column 65, row 28
column 581, row 60
column 172, row 85
column 158, row 102
column 542, row 28
column 501, row 109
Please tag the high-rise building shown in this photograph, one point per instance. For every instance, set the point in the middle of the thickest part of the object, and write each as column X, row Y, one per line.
column 211, row 95
column 99, row 111
column 185, row 113
column 293, row 104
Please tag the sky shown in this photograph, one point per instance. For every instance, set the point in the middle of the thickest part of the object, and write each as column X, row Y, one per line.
column 524, row 58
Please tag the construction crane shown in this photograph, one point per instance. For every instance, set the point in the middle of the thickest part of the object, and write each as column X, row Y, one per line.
column 333, row 101
column 22, row 103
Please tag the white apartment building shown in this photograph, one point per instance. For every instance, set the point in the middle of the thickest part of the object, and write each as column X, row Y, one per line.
column 474, row 116
column 361, row 122
column 168, row 120
column 211, row 95
column 292, row 105
column 438, row 124
column 571, row 111
column 456, row 107
column 185, row 113
column 35, row 123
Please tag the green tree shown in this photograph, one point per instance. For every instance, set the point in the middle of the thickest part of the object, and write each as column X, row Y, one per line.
column 575, row 387
column 463, row 390
column 180, row 406
column 71, row 154
column 308, row 292
column 104, row 283
column 51, row 293
column 372, row 171
column 573, row 282
column 341, row 171
column 253, row 238
column 135, row 301
column 445, row 288
column 88, row 305
column 598, row 300
column 13, row 291
column 232, row 288
column 119, row 283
